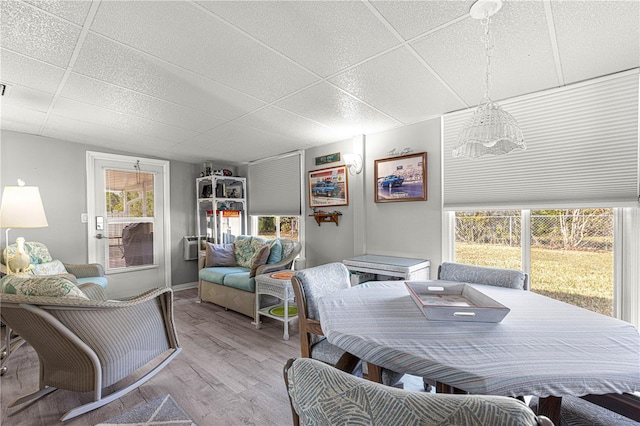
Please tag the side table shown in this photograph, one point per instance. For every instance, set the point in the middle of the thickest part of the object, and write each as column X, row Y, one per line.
column 276, row 284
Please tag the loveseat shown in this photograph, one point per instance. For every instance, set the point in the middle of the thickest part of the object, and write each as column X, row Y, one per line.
column 227, row 271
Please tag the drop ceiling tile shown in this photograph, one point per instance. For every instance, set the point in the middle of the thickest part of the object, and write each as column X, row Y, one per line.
column 193, row 39
column 587, row 43
column 127, row 123
column 398, row 84
column 115, row 98
column 25, row 97
column 522, row 61
column 325, row 37
column 27, row 72
column 20, row 119
column 412, row 18
column 281, row 122
column 113, row 63
column 326, row 104
column 32, row 32
column 74, row 11
column 94, row 134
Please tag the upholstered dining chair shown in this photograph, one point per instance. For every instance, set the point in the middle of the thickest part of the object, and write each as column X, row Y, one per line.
column 85, row 342
column 461, row 272
column 323, row 395
column 308, row 286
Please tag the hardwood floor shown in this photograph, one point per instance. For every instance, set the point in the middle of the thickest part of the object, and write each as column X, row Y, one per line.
column 229, row 373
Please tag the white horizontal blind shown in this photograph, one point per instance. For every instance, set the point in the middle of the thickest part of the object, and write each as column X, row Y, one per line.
column 274, row 186
column 582, row 150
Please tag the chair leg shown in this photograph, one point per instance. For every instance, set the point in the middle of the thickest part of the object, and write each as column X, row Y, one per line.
column 32, row 396
column 12, row 343
column 111, row 397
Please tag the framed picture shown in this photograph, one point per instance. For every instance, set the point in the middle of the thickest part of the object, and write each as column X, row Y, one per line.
column 328, row 187
column 401, row 178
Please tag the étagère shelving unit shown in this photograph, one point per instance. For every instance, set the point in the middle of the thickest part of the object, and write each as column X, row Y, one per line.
column 221, row 208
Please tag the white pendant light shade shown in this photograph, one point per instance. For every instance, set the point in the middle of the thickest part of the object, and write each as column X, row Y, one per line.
column 490, row 130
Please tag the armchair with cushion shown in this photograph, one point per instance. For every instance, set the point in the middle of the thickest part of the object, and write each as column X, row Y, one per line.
column 85, row 342
column 308, row 286
column 322, row 395
column 43, row 264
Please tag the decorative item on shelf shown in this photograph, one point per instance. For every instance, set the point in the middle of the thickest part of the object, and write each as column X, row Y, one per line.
column 323, row 217
column 206, row 169
column 21, row 208
column 401, row 178
column 354, row 163
column 490, row 130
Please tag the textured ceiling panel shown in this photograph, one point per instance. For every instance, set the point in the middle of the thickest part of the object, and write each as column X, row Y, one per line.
column 587, row 43
column 127, row 123
column 25, row 97
column 119, row 65
column 412, row 18
column 126, row 101
column 19, row 119
column 30, row 31
column 332, row 107
column 399, row 84
column 341, row 33
column 199, row 42
column 522, row 60
column 24, row 71
column 74, row 11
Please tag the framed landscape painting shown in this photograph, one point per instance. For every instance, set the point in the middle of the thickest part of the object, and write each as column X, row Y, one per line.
column 328, row 187
column 401, row 178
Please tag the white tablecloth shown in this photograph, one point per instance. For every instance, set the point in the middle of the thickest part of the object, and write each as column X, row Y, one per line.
column 542, row 347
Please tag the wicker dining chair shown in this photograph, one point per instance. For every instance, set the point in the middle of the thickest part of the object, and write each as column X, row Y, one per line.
column 86, row 344
column 322, row 395
column 308, row 286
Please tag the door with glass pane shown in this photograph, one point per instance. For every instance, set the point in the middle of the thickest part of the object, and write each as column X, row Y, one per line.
column 127, row 222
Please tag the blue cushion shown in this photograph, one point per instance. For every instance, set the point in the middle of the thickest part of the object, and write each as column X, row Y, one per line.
column 241, row 281
column 275, row 254
column 217, row 274
column 102, row 281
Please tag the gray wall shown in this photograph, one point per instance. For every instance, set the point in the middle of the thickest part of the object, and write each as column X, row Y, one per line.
column 406, row 229
column 58, row 168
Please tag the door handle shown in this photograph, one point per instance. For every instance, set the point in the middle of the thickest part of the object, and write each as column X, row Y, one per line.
column 99, row 236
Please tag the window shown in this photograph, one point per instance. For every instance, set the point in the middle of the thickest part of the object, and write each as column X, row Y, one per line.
column 570, row 252
column 276, row 227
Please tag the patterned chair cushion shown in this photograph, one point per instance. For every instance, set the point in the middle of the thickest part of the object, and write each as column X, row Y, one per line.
column 333, row 276
column 323, row 395
column 38, row 252
column 54, row 267
column 43, row 285
column 244, row 251
column 482, row 275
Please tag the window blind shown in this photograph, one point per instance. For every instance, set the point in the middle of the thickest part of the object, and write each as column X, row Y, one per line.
column 274, row 186
column 582, row 151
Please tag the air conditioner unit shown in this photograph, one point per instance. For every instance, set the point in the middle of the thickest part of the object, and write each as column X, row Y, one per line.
column 190, row 247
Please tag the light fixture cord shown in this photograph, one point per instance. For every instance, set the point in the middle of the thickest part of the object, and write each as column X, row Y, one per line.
column 488, row 51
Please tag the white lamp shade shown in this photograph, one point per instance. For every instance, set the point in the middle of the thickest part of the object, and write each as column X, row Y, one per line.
column 22, row 208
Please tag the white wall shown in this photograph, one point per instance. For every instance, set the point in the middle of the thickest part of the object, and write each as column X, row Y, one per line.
column 406, row 229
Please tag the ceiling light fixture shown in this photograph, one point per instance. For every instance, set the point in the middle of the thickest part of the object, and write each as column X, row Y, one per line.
column 490, row 130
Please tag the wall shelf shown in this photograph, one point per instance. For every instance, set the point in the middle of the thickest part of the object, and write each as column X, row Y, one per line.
column 326, row 217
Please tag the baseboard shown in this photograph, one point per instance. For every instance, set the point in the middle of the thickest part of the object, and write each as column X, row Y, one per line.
column 185, row 286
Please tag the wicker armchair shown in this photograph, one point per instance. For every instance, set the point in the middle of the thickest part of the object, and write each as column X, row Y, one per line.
column 88, row 344
column 323, row 395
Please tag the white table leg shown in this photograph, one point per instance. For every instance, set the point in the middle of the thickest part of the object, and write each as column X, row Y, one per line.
column 257, row 310
column 286, row 316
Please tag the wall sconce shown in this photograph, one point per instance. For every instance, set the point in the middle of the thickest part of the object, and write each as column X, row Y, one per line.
column 354, row 162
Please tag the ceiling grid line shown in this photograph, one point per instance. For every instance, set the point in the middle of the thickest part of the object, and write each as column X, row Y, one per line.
column 554, row 41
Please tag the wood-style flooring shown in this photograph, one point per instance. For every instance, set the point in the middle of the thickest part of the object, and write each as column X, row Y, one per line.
column 229, row 373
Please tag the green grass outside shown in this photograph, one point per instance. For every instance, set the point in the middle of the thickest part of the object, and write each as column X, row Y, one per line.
column 582, row 278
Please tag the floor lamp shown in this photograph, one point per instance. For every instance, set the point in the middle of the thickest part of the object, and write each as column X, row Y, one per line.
column 21, row 208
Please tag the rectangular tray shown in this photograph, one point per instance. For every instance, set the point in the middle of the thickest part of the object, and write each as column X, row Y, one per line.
column 452, row 301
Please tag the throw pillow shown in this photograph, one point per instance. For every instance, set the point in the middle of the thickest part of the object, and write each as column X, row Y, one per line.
column 220, row 255
column 38, row 252
column 275, row 252
column 49, row 268
column 244, row 251
column 259, row 259
column 50, row 286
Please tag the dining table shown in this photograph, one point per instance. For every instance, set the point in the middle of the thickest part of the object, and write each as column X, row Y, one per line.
column 543, row 347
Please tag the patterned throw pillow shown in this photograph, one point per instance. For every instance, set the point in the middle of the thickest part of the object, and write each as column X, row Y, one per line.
column 287, row 246
column 244, row 251
column 44, row 285
column 38, row 252
column 49, row 268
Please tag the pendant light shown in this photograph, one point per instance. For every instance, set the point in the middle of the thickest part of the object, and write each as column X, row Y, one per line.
column 491, row 130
